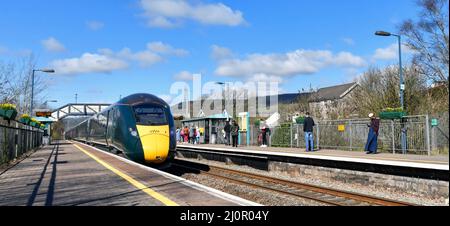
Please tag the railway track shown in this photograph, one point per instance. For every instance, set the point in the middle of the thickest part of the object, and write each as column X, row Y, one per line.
column 323, row 195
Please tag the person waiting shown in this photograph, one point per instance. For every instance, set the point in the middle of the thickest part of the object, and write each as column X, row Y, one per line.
column 308, row 129
column 227, row 130
column 235, row 133
column 372, row 139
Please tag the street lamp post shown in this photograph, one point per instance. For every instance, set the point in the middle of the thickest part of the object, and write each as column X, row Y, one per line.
column 402, row 84
column 50, row 101
column 32, row 85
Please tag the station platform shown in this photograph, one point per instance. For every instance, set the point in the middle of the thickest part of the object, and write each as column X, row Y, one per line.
column 430, row 167
column 74, row 174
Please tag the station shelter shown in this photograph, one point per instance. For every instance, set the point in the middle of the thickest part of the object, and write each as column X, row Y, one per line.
column 211, row 128
column 47, row 132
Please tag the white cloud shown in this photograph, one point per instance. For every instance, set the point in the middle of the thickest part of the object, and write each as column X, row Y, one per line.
column 170, row 13
column 95, row 25
column 146, row 58
column 163, row 48
column 220, row 53
column 184, row 76
column 390, row 52
column 288, row 64
column 107, row 60
column 53, row 45
column 348, row 41
column 88, row 63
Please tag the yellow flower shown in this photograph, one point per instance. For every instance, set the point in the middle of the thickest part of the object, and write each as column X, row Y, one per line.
column 8, row 106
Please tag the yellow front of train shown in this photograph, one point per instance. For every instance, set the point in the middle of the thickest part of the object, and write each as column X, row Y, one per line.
column 155, row 142
column 153, row 125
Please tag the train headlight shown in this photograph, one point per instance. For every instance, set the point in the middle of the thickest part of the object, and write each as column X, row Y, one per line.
column 134, row 133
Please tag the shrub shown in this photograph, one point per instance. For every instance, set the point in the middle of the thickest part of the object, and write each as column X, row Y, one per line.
column 25, row 116
column 393, row 109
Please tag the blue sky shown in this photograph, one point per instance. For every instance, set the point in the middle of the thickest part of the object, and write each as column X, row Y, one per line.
column 109, row 48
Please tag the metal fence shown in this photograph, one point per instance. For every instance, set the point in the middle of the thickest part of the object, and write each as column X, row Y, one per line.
column 351, row 135
column 440, row 134
column 17, row 139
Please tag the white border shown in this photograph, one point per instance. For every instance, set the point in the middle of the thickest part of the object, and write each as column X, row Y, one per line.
column 194, row 185
column 333, row 158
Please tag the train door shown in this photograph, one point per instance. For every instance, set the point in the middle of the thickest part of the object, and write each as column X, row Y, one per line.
column 107, row 127
column 110, row 130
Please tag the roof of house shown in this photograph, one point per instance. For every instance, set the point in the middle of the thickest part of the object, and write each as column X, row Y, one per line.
column 333, row 92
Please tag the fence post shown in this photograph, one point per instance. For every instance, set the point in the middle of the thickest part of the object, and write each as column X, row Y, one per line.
column 393, row 136
column 290, row 131
column 318, row 135
column 427, row 124
column 351, row 135
column 270, row 137
column 298, row 136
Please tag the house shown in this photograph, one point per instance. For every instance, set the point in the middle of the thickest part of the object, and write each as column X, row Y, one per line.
column 332, row 102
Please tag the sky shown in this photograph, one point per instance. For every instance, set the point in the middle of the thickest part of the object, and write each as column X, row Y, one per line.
column 106, row 49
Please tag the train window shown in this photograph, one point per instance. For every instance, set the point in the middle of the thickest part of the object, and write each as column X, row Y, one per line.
column 150, row 115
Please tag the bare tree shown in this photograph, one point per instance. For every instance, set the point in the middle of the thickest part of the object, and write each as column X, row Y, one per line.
column 429, row 38
column 15, row 83
column 379, row 89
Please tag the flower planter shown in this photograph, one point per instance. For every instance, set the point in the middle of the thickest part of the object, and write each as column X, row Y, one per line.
column 24, row 121
column 33, row 124
column 392, row 115
column 9, row 114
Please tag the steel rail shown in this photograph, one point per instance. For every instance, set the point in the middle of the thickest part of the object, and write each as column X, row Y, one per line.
column 362, row 198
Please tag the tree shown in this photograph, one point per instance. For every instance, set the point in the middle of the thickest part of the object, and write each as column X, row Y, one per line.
column 379, row 89
column 428, row 37
column 15, row 83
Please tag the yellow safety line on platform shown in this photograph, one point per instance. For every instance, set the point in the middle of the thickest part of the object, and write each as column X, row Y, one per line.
column 132, row 181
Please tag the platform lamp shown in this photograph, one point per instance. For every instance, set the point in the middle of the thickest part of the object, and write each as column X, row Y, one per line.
column 402, row 84
column 32, row 85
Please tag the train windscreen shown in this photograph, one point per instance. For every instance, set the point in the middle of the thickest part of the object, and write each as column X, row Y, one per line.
column 150, row 115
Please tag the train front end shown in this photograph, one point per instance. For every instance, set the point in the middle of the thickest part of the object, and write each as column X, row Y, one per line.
column 155, row 129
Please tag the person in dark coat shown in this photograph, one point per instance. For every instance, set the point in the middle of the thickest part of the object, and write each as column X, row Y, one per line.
column 227, row 130
column 265, row 131
column 308, row 129
column 372, row 139
column 235, row 133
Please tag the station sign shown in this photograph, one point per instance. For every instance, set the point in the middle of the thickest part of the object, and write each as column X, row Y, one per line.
column 43, row 113
column 434, row 122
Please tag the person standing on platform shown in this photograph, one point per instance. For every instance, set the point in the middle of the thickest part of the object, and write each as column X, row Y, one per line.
column 372, row 139
column 264, row 133
column 186, row 134
column 197, row 135
column 227, row 130
column 308, row 129
column 192, row 135
column 178, row 134
column 235, row 133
